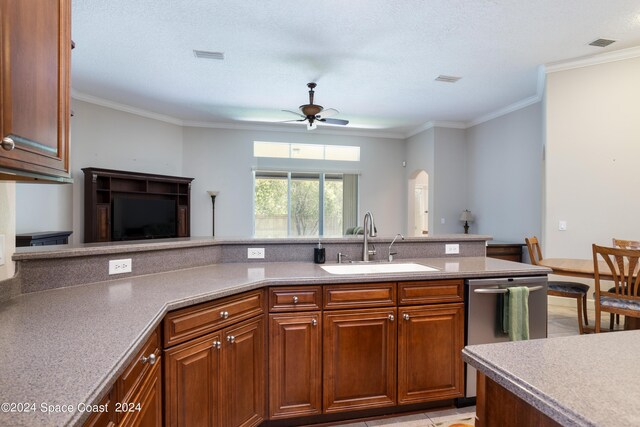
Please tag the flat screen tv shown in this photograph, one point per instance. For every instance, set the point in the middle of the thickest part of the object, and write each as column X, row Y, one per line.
column 137, row 218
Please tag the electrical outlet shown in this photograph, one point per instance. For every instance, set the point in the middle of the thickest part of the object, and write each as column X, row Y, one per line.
column 562, row 226
column 255, row 253
column 119, row 266
column 1, row 249
column 452, row 249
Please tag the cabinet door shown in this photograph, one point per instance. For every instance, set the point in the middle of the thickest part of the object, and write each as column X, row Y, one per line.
column 103, row 223
column 430, row 341
column 359, row 359
column 243, row 393
column 34, row 86
column 192, row 380
column 295, row 365
column 183, row 222
column 150, row 399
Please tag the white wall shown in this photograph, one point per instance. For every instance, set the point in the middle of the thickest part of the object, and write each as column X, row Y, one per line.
column 55, row 199
column 8, row 227
column 222, row 160
column 592, row 154
column 420, row 155
column 505, row 175
column 450, row 180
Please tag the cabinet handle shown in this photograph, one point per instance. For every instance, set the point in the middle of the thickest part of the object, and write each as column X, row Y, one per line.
column 295, row 300
column 391, row 318
column 231, row 339
column 314, row 322
column 224, row 314
column 406, row 316
column 217, row 345
column 151, row 359
column 8, row 144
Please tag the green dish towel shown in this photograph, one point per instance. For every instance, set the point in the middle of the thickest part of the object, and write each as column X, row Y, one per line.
column 515, row 313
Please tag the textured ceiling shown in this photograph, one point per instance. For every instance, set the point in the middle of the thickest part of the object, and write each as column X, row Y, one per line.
column 374, row 60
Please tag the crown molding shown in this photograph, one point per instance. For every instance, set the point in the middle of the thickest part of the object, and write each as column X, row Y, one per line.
column 232, row 126
column 506, row 110
column 433, row 124
column 124, row 108
column 602, row 58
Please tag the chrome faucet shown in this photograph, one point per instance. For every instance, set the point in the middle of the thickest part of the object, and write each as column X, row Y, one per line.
column 369, row 231
column 391, row 254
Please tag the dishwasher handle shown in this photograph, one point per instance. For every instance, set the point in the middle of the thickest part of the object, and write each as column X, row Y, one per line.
column 502, row 290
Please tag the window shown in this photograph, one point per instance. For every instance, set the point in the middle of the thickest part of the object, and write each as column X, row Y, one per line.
column 304, row 203
column 285, row 150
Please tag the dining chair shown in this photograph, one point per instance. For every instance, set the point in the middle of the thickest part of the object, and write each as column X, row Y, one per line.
column 624, row 297
column 564, row 289
column 622, row 244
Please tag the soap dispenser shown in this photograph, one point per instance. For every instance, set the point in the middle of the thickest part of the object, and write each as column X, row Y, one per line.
column 318, row 254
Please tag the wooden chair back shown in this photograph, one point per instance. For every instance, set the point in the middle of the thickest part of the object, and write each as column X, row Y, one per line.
column 626, row 244
column 624, row 268
column 533, row 246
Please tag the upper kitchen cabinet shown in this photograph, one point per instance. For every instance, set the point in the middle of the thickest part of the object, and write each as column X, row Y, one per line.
column 34, row 89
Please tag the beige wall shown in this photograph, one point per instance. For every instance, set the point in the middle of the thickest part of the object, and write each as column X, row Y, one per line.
column 8, row 226
column 592, row 177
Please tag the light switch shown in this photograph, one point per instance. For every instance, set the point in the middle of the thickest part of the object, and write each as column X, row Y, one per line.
column 562, row 226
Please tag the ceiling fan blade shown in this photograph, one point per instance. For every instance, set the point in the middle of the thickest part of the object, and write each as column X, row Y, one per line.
column 289, row 121
column 328, row 112
column 296, row 113
column 335, row 121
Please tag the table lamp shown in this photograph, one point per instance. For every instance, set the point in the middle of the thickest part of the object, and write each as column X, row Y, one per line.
column 467, row 217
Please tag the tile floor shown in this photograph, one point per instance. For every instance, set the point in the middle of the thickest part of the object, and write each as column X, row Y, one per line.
column 562, row 322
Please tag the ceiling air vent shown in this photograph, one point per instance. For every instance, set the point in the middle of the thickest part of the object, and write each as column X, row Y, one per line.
column 208, row 55
column 601, row 42
column 447, row 79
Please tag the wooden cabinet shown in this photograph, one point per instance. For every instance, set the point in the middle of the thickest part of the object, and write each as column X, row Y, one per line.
column 215, row 371
column 505, row 251
column 430, row 341
column 34, row 89
column 105, row 188
column 359, row 359
column 136, row 397
column 295, row 364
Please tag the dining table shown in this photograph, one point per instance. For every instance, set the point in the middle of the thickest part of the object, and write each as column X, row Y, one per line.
column 586, row 269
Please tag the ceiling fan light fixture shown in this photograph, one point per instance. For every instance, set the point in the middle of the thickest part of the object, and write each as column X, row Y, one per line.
column 312, row 126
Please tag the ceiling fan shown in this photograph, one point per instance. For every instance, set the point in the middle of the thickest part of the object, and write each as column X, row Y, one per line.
column 313, row 113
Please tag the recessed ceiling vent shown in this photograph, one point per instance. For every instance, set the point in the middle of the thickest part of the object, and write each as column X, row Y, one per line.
column 204, row 54
column 601, row 42
column 447, row 79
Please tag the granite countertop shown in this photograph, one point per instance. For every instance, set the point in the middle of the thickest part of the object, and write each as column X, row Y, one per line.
column 586, row 380
column 67, row 346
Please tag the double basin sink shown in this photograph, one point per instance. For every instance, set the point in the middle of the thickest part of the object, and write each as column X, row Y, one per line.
column 373, row 268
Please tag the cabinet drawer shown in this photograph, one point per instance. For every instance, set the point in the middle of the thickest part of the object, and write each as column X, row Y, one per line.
column 130, row 380
column 432, row 291
column 295, row 298
column 360, row 295
column 191, row 322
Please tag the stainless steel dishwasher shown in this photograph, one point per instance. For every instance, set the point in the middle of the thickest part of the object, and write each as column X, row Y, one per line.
column 483, row 314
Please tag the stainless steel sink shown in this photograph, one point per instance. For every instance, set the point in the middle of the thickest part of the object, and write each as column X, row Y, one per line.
column 375, row 268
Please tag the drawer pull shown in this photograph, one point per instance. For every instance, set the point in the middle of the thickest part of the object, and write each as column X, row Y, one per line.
column 231, row 339
column 8, row 144
column 295, row 300
column 391, row 318
column 151, row 359
column 217, row 345
column 406, row 316
column 314, row 322
column 224, row 314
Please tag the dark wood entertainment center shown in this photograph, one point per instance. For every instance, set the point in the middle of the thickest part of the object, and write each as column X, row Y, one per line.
column 101, row 186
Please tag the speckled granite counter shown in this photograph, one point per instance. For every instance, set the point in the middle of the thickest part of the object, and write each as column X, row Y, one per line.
column 66, row 346
column 587, row 380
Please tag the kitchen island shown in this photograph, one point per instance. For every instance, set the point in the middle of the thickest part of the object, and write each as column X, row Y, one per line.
column 586, row 380
column 68, row 346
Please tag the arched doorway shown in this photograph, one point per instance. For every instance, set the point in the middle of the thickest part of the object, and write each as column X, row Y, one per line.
column 418, row 204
